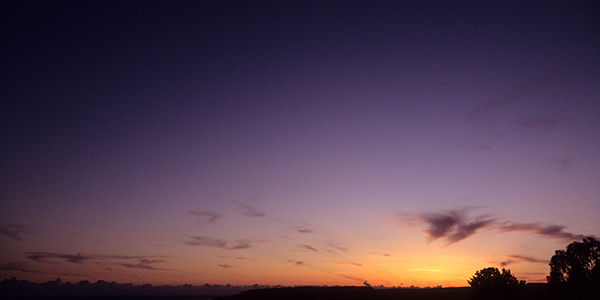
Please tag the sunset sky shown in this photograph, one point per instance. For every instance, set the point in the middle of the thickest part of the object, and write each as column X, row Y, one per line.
column 296, row 143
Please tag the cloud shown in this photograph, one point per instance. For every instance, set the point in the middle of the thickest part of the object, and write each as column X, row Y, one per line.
column 205, row 217
column 346, row 264
column 563, row 163
column 237, row 257
column 381, row 254
column 519, row 258
column 248, row 211
column 241, row 244
column 144, row 262
column 346, row 276
column 339, row 248
column 299, row 229
column 486, row 114
column 206, row 241
column 453, row 225
column 551, row 231
column 547, row 123
column 45, row 256
column 17, row 266
column 226, row 266
column 308, row 247
column 218, row 243
column 14, row 231
column 456, row 225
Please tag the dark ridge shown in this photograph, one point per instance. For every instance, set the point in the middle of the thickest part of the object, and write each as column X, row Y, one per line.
column 531, row 292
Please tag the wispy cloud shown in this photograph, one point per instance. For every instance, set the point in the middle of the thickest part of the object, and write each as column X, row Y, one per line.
column 206, row 241
column 308, row 247
column 205, row 217
column 143, row 262
column 562, row 163
column 337, row 247
column 457, row 225
column 546, row 123
column 381, row 254
column 453, row 225
column 552, row 231
column 346, row 276
column 485, row 114
column 17, row 266
column 226, row 266
column 519, row 258
column 346, row 264
column 300, row 229
column 218, row 243
column 14, row 231
column 236, row 257
column 248, row 211
column 146, row 264
column 49, row 257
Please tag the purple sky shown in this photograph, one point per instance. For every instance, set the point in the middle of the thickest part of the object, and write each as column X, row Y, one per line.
column 325, row 142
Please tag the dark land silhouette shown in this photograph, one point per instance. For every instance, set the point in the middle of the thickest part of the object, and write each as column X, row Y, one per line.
column 22, row 289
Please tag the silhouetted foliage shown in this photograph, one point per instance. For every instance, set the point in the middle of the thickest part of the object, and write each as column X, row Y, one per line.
column 14, row 288
column 577, row 269
column 490, row 283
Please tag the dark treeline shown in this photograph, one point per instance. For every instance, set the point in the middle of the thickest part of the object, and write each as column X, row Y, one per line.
column 22, row 288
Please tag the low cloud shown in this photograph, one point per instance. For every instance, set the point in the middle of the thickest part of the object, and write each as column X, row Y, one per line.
column 346, row 264
column 299, row 229
column 381, row 254
column 308, row 247
column 205, row 217
column 218, row 243
column 562, row 163
column 546, row 123
column 226, row 266
column 337, row 247
column 49, row 257
column 206, row 241
column 17, row 266
column 519, row 258
column 14, row 231
column 488, row 114
column 453, row 225
column 457, row 225
column 237, row 257
column 248, row 211
column 143, row 262
column 551, row 231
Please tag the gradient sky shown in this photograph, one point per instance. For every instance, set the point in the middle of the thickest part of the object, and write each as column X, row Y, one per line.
column 326, row 142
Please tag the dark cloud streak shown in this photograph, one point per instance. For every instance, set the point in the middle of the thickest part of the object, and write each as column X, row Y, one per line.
column 14, row 231
column 144, row 262
column 453, row 225
column 456, row 225
column 205, row 217
column 552, row 231
column 218, row 243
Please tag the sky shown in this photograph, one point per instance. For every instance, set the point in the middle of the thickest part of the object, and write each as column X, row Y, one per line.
column 296, row 142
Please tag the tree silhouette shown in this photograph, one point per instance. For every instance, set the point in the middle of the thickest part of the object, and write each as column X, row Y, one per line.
column 577, row 269
column 490, row 283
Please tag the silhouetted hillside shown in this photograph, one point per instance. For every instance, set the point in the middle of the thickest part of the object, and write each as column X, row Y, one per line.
column 532, row 292
column 22, row 289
